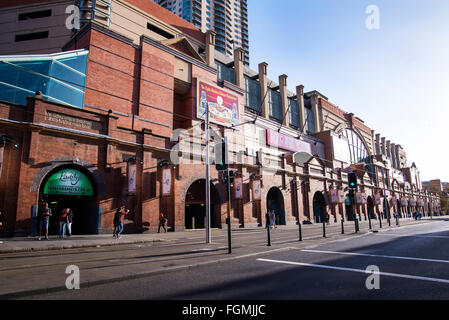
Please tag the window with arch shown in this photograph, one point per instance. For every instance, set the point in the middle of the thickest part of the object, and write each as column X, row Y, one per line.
column 357, row 149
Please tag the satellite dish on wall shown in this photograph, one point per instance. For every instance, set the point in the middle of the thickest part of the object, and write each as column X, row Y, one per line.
column 301, row 157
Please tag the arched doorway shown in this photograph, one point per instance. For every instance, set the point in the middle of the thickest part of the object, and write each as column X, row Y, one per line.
column 275, row 201
column 319, row 207
column 195, row 206
column 71, row 186
column 370, row 205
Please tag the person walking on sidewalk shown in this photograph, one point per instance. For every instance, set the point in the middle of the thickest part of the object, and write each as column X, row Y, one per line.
column 44, row 220
column 272, row 219
column 69, row 222
column 162, row 222
column 118, row 221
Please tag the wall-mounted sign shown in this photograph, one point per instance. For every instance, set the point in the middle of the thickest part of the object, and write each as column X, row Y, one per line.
column 257, row 190
column 279, row 140
column 223, row 106
column 238, row 186
column 69, row 182
column 166, row 182
column 132, row 168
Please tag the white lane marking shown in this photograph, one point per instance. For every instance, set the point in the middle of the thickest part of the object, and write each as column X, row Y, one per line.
column 414, row 236
column 375, row 255
column 388, row 274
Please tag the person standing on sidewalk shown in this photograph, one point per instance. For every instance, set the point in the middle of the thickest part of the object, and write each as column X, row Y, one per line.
column 1, row 220
column 162, row 222
column 118, row 221
column 62, row 223
column 44, row 220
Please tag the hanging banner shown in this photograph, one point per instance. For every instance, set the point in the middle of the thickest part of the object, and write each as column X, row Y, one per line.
column 223, row 106
column 377, row 198
column 132, row 169
column 69, row 182
column 1, row 160
column 404, row 201
column 358, row 198
column 341, row 196
column 333, row 196
column 166, row 182
column 364, row 198
column 257, row 190
column 279, row 140
column 238, row 187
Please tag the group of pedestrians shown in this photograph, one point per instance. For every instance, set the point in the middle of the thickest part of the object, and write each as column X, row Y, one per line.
column 65, row 222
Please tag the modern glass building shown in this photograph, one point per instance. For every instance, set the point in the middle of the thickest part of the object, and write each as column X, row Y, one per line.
column 60, row 77
column 227, row 18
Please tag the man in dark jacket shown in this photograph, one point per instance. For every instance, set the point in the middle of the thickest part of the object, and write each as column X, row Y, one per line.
column 44, row 220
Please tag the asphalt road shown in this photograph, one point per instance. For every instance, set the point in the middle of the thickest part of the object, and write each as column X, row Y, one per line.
column 413, row 263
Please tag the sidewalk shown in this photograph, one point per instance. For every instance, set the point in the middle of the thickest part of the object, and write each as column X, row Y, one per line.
column 30, row 244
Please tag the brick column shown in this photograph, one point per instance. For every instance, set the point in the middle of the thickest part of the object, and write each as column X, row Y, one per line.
column 302, row 111
column 210, row 48
column 238, row 67
column 263, row 88
column 316, row 113
column 284, row 99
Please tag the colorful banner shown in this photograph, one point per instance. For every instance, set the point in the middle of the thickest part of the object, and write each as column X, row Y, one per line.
column 279, row 140
column 223, row 106
column 358, row 198
column 257, row 190
column 404, row 201
column 238, row 186
column 69, row 182
column 166, row 182
column 364, row 198
column 377, row 198
column 132, row 168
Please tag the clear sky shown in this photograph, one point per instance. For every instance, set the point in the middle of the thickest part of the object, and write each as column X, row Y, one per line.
column 395, row 78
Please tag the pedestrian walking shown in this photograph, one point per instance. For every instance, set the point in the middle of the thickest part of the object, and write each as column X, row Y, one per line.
column 44, row 220
column 69, row 222
column 162, row 222
column 272, row 219
column 118, row 221
column 62, row 223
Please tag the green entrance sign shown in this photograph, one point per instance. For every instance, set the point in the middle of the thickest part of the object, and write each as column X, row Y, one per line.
column 69, row 182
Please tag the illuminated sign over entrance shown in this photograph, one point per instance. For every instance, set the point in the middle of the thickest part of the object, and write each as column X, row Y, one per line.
column 69, row 182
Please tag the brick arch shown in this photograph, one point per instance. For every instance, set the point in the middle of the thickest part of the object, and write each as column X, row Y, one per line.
column 273, row 185
column 202, row 176
column 53, row 164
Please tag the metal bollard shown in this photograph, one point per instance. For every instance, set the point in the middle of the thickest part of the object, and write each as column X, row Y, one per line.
column 397, row 221
column 268, row 231
column 342, row 226
column 324, row 228
column 300, row 231
column 356, row 225
column 369, row 222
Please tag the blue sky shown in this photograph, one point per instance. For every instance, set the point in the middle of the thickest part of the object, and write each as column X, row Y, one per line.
column 396, row 78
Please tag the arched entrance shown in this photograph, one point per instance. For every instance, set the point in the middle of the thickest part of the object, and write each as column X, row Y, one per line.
column 195, row 206
column 370, row 205
column 71, row 186
column 319, row 207
column 275, row 201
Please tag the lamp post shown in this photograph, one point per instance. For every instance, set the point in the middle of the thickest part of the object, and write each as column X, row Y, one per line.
column 208, row 235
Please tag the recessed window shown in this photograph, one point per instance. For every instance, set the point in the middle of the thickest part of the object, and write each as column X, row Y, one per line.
column 159, row 31
column 31, row 36
column 34, row 15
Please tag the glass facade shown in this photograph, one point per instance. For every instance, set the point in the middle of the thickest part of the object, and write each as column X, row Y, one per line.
column 225, row 73
column 357, row 149
column 295, row 119
column 60, row 77
column 310, row 121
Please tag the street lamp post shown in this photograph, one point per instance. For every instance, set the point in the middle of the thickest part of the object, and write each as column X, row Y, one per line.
column 208, row 235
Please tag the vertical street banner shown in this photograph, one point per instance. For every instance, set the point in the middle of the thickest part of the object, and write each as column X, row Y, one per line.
column 333, row 196
column 166, row 182
column 358, row 198
column 364, row 198
column 238, row 186
column 1, row 160
column 132, row 169
column 341, row 196
column 223, row 106
column 377, row 198
column 257, row 190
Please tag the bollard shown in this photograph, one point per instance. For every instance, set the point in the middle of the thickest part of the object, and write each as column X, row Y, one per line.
column 300, row 231
column 397, row 221
column 324, row 228
column 380, row 221
column 389, row 221
column 268, row 230
column 342, row 226
column 356, row 221
column 369, row 222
